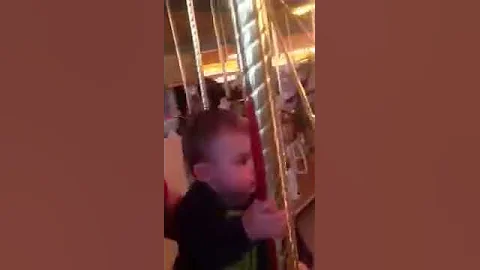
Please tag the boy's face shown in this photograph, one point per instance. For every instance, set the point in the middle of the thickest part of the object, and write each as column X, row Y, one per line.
column 232, row 171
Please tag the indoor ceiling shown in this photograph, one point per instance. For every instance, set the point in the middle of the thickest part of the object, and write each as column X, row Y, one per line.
column 204, row 5
column 205, row 24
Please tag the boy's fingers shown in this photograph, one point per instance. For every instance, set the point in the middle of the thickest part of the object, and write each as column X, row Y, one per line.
column 302, row 266
column 257, row 204
column 281, row 216
column 278, row 217
column 277, row 223
column 268, row 206
column 281, row 221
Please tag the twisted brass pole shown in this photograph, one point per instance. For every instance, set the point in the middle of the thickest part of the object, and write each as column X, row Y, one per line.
column 178, row 53
column 198, row 53
column 220, row 47
column 296, row 79
column 300, row 24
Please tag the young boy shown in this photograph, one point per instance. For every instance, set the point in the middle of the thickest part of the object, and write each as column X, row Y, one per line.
column 217, row 150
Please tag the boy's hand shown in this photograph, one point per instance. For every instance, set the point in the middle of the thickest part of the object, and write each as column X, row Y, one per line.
column 262, row 220
column 302, row 266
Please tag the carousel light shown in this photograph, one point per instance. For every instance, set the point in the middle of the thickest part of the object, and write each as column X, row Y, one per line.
column 229, row 78
column 231, row 64
column 302, row 10
column 216, row 68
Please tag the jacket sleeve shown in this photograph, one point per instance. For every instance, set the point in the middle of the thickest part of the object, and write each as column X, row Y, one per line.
column 210, row 241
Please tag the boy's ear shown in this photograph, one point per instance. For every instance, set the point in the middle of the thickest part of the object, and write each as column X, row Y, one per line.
column 202, row 171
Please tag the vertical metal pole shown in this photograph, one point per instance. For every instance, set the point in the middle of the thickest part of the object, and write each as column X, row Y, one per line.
column 220, row 47
column 179, row 56
column 198, row 53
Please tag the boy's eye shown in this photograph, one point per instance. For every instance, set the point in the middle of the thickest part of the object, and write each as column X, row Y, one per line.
column 243, row 159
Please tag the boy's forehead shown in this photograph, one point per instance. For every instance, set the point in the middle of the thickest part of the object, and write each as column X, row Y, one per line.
column 232, row 139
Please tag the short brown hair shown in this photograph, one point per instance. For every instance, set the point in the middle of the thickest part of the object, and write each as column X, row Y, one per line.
column 202, row 128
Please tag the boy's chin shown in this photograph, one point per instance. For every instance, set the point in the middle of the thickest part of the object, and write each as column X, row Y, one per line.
column 241, row 201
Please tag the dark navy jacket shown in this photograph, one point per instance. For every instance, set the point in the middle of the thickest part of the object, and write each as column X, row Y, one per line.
column 208, row 240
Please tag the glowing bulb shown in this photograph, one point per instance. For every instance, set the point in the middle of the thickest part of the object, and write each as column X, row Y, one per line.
column 302, row 10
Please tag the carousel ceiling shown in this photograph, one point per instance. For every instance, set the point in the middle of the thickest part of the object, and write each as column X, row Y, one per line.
column 205, row 24
column 204, row 5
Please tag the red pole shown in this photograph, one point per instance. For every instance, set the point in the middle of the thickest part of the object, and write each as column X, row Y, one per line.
column 261, row 191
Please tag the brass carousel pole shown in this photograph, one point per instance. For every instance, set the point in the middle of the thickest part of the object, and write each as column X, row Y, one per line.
column 220, row 46
column 289, row 33
column 313, row 22
column 236, row 31
column 255, row 50
column 225, row 52
column 179, row 56
column 296, row 79
column 198, row 53
column 300, row 24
